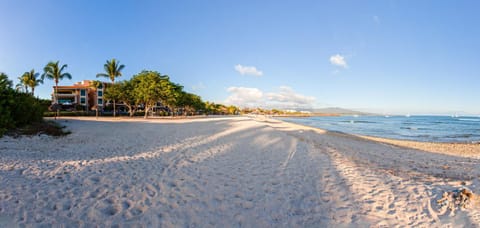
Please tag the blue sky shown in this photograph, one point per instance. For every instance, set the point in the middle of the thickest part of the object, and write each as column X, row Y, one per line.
column 380, row 56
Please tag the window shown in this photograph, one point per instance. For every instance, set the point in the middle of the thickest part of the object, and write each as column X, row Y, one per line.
column 100, row 86
column 100, row 101
column 100, row 93
column 82, row 100
column 82, row 92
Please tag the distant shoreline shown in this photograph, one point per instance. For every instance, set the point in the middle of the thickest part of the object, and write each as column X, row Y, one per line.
column 463, row 149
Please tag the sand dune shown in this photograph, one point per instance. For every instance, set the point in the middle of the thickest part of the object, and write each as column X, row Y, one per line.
column 225, row 172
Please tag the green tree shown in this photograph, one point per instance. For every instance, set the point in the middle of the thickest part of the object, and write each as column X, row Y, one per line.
column 127, row 96
column 112, row 71
column 220, row 109
column 173, row 96
column 151, row 87
column 209, row 108
column 191, row 103
column 112, row 92
column 55, row 72
column 4, row 82
column 33, row 80
column 232, row 110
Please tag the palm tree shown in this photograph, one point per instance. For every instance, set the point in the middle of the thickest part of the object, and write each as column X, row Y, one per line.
column 94, row 85
column 53, row 71
column 112, row 71
column 33, row 80
column 23, row 83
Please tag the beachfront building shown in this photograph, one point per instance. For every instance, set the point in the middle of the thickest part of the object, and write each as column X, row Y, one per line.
column 80, row 96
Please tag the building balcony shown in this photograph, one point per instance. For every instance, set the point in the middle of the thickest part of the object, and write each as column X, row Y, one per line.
column 65, row 95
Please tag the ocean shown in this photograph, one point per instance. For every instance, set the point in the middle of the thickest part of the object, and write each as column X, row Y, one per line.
column 416, row 128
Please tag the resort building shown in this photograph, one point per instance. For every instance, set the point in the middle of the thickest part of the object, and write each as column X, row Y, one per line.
column 80, row 96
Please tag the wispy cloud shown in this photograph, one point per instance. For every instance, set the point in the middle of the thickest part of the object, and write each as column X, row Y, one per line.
column 248, row 70
column 198, row 86
column 285, row 97
column 338, row 60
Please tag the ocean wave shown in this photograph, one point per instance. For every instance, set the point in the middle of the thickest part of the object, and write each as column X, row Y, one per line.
column 415, row 128
column 357, row 121
column 459, row 136
column 469, row 119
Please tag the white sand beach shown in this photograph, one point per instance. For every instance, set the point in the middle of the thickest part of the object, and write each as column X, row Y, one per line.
column 229, row 172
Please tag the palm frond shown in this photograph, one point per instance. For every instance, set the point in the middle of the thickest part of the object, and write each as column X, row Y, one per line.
column 102, row 75
column 66, row 75
column 120, row 68
column 62, row 68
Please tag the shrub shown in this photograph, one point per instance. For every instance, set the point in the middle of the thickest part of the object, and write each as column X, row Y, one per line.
column 7, row 99
column 18, row 109
column 26, row 109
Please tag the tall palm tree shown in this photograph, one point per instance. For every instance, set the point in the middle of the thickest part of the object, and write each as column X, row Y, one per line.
column 23, row 83
column 112, row 71
column 33, row 80
column 55, row 72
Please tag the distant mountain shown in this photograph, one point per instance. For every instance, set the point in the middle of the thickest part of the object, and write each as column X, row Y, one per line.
column 338, row 111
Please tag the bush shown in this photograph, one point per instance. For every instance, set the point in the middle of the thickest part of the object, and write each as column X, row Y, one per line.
column 18, row 109
column 7, row 99
column 26, row 109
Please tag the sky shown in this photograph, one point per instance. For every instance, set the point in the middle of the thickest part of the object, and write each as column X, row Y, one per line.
column 386, row 56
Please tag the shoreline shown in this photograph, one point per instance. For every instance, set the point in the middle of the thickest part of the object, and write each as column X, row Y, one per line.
column 464, row 149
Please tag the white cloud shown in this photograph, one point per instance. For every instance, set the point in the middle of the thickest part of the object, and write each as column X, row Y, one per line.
column 285, row 98
column 243, row 96
column 288, row 98
column 248, row 70
column 338, row 60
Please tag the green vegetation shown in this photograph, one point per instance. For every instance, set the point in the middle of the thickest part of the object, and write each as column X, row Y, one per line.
column 20, row 111
column 145, row 93
column 113, row 70
column 30, row 79
column 54, row 72
column 149, row 88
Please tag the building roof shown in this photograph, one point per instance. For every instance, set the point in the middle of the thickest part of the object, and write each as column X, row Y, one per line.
column 85, row 84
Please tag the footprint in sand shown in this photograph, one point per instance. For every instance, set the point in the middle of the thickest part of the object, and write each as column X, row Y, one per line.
column 150, row 190
column 112, row 210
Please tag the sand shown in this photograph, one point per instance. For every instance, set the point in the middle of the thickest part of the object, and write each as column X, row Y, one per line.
column 228, row 172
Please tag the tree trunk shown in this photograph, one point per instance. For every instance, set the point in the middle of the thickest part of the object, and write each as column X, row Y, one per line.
column 146, row 111
column 131, row 111
column 57, row 113
column 114, row 112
